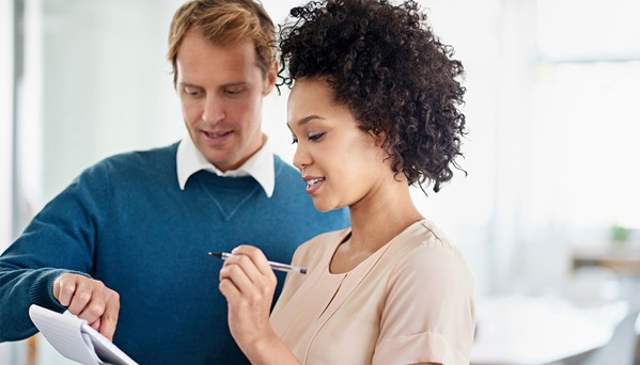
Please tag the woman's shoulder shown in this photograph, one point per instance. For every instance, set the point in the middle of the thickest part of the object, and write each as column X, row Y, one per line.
column 423, row 247
column 425, row 236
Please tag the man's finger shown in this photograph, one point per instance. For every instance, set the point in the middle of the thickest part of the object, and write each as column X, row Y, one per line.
column 110, row 318
column 94, row 310
column 80, row 299
column 64, row 289
column 96, row 324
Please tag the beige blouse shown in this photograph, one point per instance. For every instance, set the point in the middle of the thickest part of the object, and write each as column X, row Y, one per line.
column 409, row 302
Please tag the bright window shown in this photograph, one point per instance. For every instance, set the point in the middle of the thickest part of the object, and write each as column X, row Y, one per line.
column 586, row 122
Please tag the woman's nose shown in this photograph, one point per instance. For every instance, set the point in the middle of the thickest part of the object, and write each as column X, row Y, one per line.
column 301, row 158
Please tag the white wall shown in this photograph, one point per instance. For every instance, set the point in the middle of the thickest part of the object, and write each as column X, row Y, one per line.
column 107, row 84
column 6, row 138
column 6, row 116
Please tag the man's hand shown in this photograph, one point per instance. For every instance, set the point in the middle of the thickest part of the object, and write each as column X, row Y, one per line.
column 90, row 300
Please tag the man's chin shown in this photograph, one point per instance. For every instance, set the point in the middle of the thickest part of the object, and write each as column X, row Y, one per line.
column 224, row 162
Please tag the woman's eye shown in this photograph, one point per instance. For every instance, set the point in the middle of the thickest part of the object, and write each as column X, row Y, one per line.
column 316, row 137
column 294, row 140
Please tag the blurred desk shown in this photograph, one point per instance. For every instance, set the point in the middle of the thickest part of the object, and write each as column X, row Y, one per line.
column 621, row 258
column 532, row 331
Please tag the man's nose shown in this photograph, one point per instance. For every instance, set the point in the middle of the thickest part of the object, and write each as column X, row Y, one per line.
column 213, row 110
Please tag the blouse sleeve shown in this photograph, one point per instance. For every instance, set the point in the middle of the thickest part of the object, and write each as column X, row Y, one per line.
column 429, row 313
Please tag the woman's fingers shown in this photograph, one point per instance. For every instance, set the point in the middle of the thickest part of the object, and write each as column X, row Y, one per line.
column 247, row 276
column 257, row 257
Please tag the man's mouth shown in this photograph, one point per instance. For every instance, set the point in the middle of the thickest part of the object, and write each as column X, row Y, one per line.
column 217, row 134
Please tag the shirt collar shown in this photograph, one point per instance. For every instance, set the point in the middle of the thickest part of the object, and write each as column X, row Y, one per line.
column 260, row 166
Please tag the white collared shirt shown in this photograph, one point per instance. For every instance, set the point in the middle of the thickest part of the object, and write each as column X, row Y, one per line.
column 190, row 160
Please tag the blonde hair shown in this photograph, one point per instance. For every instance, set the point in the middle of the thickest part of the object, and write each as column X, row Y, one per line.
column 224, row 22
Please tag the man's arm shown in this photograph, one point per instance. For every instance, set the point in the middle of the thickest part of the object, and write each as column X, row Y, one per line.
column 51, row 262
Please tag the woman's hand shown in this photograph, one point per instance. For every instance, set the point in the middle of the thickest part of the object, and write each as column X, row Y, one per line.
column 248, row 283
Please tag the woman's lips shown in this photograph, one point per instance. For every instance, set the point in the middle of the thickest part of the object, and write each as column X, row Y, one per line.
column 314, row 183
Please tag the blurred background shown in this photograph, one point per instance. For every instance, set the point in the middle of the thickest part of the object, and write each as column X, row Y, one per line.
column 548, row 216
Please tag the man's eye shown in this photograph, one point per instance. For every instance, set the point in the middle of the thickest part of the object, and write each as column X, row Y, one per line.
column 233, row 91
column 294, row 140
column 191, row 91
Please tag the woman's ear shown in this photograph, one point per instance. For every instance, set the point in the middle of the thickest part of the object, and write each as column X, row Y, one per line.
column 379, row 138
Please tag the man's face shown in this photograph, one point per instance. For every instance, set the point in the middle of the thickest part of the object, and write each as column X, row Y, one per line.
column 221, row 89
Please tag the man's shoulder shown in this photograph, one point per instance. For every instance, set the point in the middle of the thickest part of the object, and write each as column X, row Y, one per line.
column 284, row 169
column 140, row 159
column 288, row 181
column 160, row 154
column 287, row 177
column 134, row 165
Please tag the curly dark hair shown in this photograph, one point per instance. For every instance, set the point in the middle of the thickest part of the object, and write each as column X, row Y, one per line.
column 385, row 64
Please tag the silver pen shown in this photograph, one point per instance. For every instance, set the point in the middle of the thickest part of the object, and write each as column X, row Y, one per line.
column 274, row 265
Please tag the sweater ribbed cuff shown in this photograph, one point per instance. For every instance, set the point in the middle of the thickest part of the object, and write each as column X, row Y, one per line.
column 41, row 293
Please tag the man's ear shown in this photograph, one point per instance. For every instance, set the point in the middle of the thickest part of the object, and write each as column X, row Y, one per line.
column 272, row 74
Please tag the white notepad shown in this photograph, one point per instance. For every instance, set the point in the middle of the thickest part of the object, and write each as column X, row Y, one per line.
column 76, row 340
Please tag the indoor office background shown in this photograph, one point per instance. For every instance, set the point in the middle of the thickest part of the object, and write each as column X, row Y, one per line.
column 548, row 216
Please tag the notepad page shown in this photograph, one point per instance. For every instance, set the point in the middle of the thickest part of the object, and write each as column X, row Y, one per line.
column 64, row 334
column 105, row 349
column 76, row 340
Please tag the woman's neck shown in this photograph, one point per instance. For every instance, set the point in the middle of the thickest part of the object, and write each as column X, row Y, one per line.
column 375, row 220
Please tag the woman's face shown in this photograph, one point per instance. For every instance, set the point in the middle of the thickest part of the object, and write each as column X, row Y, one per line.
column 340, row 163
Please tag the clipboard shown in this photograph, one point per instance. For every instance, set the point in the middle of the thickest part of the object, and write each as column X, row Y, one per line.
column 75, row 339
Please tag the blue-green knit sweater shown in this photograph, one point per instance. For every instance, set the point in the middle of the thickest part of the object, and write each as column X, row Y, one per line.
column 126, row 222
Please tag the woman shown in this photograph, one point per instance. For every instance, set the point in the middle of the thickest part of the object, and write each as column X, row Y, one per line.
column 373, row 109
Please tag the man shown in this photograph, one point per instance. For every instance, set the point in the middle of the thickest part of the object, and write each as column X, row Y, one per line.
column 125, row 245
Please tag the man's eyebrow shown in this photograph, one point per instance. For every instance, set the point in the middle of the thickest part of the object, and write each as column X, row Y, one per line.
column 237, row 83
column 231, row 84
column 187, row 84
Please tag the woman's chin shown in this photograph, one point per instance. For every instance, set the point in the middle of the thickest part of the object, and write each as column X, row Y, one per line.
column 324, row 206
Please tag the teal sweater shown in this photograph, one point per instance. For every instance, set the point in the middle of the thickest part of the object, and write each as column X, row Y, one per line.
column 126, row 222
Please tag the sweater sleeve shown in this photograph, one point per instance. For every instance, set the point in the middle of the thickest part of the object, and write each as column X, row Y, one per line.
column 60, row 238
